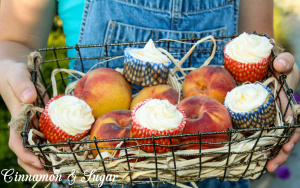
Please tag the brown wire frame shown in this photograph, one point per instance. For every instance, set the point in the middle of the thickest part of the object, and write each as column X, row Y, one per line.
column 284, row 138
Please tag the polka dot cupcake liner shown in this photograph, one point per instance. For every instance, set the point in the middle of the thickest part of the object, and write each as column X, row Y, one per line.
column 138, row 130
column 53, row 133
column 144, row 73
column 243, row 72
column 263, row 116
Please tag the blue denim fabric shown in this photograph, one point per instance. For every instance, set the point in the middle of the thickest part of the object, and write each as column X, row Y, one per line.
column 118, row 21
column 208, row 183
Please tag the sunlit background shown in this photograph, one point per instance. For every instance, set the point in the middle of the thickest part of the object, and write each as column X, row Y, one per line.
column 287, row 29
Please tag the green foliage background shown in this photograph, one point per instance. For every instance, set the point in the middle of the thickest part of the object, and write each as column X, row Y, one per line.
column 8, row 159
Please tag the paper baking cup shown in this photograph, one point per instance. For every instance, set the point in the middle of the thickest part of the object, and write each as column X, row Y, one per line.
column 140, row 131
column 53, row 133
column 144, row 73
column 263, row 116
column 243, row 72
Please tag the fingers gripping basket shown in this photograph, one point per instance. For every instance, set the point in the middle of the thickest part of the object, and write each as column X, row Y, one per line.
column 242, row 157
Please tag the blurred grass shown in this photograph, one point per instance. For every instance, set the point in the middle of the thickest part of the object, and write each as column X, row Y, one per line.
column 281, row 32
column 8, row 159
column 56, row 39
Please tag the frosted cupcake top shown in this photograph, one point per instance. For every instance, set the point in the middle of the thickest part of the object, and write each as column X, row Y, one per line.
column 246, row 97
column 71, row 114
column 249, row 48
column 149, row 54
column 159, row 115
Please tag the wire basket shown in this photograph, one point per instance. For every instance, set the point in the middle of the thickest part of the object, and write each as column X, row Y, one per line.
column 244, row 156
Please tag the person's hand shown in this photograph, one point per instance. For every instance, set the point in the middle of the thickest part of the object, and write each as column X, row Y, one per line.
column 16, row 88
column 284, row 63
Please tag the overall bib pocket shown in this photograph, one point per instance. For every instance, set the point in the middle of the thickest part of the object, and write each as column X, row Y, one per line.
column 123, row 33
column 117, row 21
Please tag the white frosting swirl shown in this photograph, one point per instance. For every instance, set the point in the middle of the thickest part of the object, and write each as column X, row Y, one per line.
column 246, row 97
column 71, row 114
column 159, row 115
column 249, row 48
column 149, row 54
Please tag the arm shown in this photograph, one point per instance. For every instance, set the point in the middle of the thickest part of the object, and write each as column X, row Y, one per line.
column 24, row 27
column 257, row 15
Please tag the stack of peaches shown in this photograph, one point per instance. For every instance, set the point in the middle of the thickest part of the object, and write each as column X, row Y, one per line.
column 110, row 96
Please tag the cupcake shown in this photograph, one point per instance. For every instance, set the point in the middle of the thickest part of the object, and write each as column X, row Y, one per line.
column 146, row 66
column 66, row 117
column 247, row 57
column 251, row 106
column 158, row 118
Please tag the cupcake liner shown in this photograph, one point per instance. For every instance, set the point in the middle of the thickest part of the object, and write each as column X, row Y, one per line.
column 53, row 133
column 243, row 72
column 140, row 131
column 263, row 116
column 144, row 73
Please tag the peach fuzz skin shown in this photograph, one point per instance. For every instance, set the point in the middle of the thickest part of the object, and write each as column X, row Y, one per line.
column 204, row 114
column 211, row 81
column 156, row 92
column 114, row 124
column 104, row 90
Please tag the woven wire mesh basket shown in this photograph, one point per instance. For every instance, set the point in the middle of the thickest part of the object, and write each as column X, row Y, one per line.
column 244, row 156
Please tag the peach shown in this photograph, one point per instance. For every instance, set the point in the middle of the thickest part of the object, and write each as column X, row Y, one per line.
column 211, row 81
column 114, row 124
column 104, row 90
column 204, row 114
column 156, row 92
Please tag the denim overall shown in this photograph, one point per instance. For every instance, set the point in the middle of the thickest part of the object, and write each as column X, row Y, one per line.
column 120, row 21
